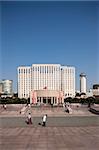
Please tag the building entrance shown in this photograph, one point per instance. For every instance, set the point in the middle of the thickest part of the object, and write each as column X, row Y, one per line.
column 49, row 100
column 44, row 100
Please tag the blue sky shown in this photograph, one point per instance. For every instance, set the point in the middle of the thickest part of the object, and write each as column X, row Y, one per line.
column 65, row 32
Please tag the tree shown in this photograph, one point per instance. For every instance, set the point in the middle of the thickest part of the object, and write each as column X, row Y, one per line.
column 77, row 94
column 90, row 101
column 68, row 99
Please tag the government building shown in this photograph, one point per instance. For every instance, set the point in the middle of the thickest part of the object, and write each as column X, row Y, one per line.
column 46, row 83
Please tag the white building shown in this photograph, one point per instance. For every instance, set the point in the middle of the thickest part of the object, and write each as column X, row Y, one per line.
column 24, row 81
column 7, row 87
column 95, row 90
column 1, row 87
column 68, row 81
column 46, row 76
column 83, row 84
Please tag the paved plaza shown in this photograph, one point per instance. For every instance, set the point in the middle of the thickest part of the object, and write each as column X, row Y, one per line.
column 63, row 131
column 50, row 138
column 14, row 110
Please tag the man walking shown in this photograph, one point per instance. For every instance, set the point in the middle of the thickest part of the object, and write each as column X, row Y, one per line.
column 44, row 120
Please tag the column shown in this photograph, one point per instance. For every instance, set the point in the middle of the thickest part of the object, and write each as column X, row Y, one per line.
column 41, row 100
column 57, row 100
column 46, row 100
column 51, row 100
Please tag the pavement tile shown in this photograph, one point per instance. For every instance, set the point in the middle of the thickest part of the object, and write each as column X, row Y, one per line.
column 20, row 136
column 87, row 138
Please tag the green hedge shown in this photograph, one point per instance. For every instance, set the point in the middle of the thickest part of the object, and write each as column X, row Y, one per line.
column 69, row 99
column 82, row 100
column 14, row 101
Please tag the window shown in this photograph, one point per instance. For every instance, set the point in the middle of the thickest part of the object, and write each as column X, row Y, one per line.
column 52, row 69
column 40, row 70
column 46, row 69
column 26, row 70
column 35, row 68
column 49, row 69
column 21, row 70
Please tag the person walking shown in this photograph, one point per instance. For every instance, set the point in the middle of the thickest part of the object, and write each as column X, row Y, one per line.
column 44, row 120
column 5, row 107
column 29, row 120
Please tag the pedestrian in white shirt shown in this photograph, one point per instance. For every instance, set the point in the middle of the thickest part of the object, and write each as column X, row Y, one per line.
column 44, row 120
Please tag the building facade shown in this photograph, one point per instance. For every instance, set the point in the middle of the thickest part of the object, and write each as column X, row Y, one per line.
column 46, row 96
column 95, row 90
column 52, row 77
column 24, row 82
column 7, row 87
column 68, row 81
column 83, row 83
column 46, row 75
column 1, row 87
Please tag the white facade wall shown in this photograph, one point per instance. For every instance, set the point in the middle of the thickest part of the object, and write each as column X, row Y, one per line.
column 50, row 76
column 83, row 85
column 95, row 92
column 46, row 75
column 68, row 81
column 1, row 87
column 24, row 82
column 7, row 87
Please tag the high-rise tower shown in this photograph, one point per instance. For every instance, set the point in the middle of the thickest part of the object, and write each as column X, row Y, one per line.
column 83, row 85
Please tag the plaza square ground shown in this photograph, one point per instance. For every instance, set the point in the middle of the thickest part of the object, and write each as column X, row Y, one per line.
column 63, row 131
column 50, row 138
column 15, row 109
